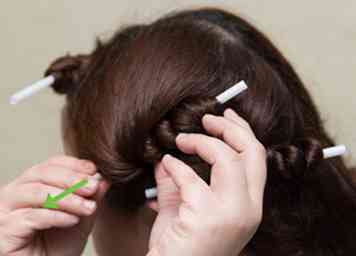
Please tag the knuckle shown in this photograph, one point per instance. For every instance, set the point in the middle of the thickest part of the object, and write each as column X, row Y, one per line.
column 246, row 124
column 31, row 171
column 71, row 178
column 218, row 143
column 190, row 176
column 37, row 170
column 241, row 224
column 247, row 223
column 239, row 219
column 212, row 142
column 258, row 216
column 257, row 219
column 54, row 215
column 38, row 191
column 261, row 148
column 26, row 214
column 76, row 201
column 56, row 158
column 228, row 161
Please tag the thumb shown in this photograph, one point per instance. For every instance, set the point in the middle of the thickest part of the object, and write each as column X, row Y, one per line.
column 168, row 195
column 168, row 200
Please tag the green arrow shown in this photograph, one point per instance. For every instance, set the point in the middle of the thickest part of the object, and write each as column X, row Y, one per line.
column 51, row 201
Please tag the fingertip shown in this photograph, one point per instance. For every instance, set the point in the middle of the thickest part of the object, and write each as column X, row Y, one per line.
column 104, row 186
column 160, row 171
column 168, row 162
column 210, row 122
column 71, row 219
column 88, row 166
column 207, row 117
column 152, row 204
column 230, row 113
column 167, row 159
column 181, row 137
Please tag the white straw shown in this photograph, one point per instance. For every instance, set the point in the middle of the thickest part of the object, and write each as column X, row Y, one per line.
column 231, row 92
column 32, row 89
column 334, row 151
column 151, row 193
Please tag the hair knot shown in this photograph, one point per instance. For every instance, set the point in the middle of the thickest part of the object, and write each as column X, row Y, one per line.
column 68, row 71
column 185, row 117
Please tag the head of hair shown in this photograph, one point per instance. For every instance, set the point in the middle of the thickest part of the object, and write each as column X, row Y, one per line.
column 129, row 98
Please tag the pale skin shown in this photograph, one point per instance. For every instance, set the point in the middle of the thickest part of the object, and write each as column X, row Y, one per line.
column 189, row 216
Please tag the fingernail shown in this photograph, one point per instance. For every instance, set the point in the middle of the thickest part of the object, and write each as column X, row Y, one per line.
column 209, row 116
column 98, row 176
column 88, row 165
column 182, row 135
column 90, row 205
column 92, row 184
column 230, row 112
column 77, row 200
column 167, row 156
column 73, row 220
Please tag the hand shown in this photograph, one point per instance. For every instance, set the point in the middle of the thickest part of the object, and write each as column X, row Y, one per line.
column 28, row 229
column 201, row 220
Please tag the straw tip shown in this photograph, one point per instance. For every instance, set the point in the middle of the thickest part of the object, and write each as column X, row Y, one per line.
column 243, row 84
column 151, row 193
column 343, row 148
column 13, row 100
column 334, row 151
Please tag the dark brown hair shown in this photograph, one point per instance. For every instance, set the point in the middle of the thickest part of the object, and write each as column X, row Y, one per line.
column 130, row 97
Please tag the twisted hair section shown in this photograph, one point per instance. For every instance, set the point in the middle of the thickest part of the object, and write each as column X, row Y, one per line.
column 293, row 162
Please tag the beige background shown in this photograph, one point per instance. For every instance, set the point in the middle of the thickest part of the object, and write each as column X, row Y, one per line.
column 319, row 37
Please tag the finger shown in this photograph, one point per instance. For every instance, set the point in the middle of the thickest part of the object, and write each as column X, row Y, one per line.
column 75, row 164
column 210, row 149
column 167, row 191
column 39, row 219
column 35, row 195
column 233, row 116
column 227, row 173
column 61, row 177
column 193, row 190
column 240, row 139
column 234, row 135
column 23, row 222
column 168, row 201
column 153, row 204
column 257, row 179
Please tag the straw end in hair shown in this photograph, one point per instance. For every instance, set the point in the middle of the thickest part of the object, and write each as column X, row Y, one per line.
column 151, row 193
column 334, row 151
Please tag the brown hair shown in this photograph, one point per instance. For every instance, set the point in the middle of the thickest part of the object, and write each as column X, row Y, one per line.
column 130, row 97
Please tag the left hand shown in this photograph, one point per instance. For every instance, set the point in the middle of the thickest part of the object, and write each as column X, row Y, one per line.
column 201, row 220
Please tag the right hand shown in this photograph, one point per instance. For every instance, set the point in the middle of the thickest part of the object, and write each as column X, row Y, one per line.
column 28, row 229
column 198, row 219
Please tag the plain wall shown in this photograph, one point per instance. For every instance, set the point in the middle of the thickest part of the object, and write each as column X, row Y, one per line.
column 319, row 37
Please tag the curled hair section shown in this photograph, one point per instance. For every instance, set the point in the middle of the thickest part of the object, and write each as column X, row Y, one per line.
column 293, row 162
column 68, row 71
